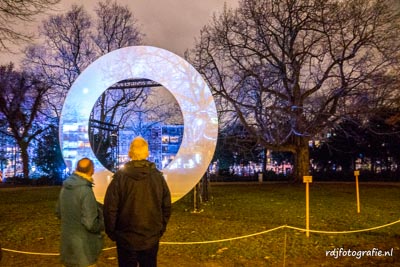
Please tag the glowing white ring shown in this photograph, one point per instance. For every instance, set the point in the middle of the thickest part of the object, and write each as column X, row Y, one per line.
column 174, row 73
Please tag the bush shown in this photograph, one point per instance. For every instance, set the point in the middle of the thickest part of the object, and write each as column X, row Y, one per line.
column 17, row 180
column 41, row 180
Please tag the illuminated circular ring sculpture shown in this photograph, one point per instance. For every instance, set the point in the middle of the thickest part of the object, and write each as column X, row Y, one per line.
column 175, row 74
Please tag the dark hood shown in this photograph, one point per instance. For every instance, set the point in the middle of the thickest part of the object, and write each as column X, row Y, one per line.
column 138, row 169
column 74, row 181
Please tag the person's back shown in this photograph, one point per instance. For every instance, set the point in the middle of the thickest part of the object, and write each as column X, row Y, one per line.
column 81, row 220
column 137, row 207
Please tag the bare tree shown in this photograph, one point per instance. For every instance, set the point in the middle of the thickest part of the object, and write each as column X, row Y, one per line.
column 137, row 110
column 12, row 12
column 66, row 52
column 152, row 111
column 288, row 70
column 116, row 27
column 21, row 99
column 73, row 40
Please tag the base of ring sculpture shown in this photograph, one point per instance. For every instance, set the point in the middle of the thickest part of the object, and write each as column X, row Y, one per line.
column 176, row 75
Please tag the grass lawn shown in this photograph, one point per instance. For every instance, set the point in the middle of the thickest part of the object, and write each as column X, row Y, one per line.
column 28, row 223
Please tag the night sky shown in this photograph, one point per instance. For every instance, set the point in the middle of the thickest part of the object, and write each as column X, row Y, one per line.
column 168, row 24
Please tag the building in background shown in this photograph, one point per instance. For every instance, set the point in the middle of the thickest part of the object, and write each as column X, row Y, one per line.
column 10, row 157
column 164, row 142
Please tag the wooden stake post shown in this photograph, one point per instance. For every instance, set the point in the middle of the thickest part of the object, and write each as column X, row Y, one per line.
column 356, row 174
column 307, row 180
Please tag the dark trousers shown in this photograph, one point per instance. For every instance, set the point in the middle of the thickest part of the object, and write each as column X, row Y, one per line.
column 132, row 258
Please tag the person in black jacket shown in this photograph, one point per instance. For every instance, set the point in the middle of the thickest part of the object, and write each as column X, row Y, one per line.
column 137, row 207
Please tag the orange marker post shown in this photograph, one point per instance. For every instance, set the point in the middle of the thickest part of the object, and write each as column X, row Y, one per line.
column 356, row 174
column 307, row 180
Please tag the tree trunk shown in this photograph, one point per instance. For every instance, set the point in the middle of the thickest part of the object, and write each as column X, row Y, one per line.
column 301, row 159
column 25, row 159
column 264, row 166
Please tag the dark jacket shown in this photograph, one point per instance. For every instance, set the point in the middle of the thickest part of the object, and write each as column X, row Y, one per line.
column 81, row 223
column 137, row 206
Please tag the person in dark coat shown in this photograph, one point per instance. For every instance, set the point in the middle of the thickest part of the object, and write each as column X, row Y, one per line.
column 137, row 207
column 81, row 218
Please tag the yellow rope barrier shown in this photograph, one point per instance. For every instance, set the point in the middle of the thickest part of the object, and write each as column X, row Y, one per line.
column 30, row 253
column 344, row 232
column 233, row 238
column 222, row 240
